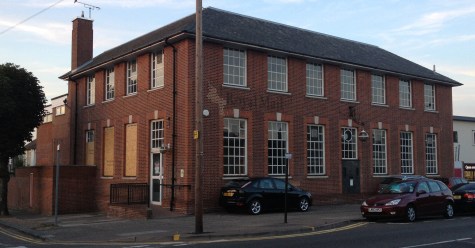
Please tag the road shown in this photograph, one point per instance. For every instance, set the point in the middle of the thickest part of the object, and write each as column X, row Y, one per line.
column 435, row 232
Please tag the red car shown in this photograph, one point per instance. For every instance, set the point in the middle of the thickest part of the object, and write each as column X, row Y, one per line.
column 409, row 199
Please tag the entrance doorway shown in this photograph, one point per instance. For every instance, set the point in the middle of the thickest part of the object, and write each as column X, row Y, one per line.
column 351, row 176
column 156, row 178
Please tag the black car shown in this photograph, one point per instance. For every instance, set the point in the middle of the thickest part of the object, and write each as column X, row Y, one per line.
column 464, row 197
column 265, row 193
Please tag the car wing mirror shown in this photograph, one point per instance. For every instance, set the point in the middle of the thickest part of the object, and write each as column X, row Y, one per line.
column 421, row 192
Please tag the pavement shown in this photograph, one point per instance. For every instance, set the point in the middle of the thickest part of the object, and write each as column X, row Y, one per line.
column 98, row 228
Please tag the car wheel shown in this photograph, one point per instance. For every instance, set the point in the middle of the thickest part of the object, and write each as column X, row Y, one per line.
column 255, row 207
column 449, row 210
column 304, row 204
column 410, row 213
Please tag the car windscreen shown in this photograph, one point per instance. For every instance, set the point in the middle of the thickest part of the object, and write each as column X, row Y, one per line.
column 470, row 186
column 400, row 187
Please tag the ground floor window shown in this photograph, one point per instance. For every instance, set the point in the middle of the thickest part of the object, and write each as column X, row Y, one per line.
column 90, row 147
column 380, row 165
column 109, row 159
column 277, row 147
column 315, row 150
column 407, row 157
column 431, row 153
column 235, row 143
column 349, row 143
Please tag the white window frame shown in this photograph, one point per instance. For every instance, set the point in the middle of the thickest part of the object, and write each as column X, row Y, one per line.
column 235, row 147
column 348, row 84
column 60, row 110
column 431, row 154
column 429, row 97
column 407, row 152
column 277, row 73
column 315, row 83
column 90, row 136
column 234, row 67
column 157, row 70
column 110, row 84
column 405, row 94
column 157, row 134
column 349, row 143
column 316, row 150
column 90, row 90
column 380, row 154
column 48, row 118
column 278, row 144
column 132, row 77
column 378, row 89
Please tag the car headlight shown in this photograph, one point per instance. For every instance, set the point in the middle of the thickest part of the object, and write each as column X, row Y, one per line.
column 393, row 202
column 364, row 204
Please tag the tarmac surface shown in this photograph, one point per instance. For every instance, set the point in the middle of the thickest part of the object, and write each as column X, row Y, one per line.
column 98, row 228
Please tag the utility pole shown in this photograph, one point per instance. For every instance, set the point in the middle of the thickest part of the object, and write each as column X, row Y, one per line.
column 198, row 132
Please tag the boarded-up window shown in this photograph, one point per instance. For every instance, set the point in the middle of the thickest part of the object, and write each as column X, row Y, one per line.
column 108, row 152
column 131, row 150
column 90, row 147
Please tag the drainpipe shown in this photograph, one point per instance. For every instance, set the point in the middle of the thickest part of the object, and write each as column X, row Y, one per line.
column 172, row 201
column 75, row 119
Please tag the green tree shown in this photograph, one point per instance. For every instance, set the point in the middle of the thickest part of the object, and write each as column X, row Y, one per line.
column 22, row 102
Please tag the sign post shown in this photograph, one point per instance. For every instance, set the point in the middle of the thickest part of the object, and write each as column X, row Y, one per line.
column 288, row 156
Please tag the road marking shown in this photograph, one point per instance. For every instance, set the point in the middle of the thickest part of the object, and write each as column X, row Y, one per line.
column 438, row 243
column 19, row 237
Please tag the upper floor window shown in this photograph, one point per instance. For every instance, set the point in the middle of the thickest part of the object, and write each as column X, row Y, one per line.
column 60, row 110
column 157, row 70
column 405, row 96
column 234, row 67
column 407, row 153
column 277, row 147
column 90, row 90
column 48, row 118
column 378, row 89
column 132, row 77
column 429, row 97
column 235, row 139
column 110, row 84
column 315, row 150
column 473, row 137
column 276, row 73
column 349, row 143
column 348, row 85
column 314, row 80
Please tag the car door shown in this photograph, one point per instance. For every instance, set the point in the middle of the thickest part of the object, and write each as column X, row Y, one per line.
column 270, row 194
column 292, row 197
column 437, row 198
column 423, row 200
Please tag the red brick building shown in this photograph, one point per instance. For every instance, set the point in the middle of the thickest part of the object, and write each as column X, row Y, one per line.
column 270, row 89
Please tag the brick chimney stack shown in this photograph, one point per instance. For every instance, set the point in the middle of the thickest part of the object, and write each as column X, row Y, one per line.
column 82, row 37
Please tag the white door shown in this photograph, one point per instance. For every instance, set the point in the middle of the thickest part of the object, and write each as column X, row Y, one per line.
column 156, row 178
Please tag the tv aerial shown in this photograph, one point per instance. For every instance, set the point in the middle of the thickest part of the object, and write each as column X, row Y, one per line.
column 88, row 6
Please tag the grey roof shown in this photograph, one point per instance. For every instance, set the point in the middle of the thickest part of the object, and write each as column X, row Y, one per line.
column 463, row 118
column 231, row 27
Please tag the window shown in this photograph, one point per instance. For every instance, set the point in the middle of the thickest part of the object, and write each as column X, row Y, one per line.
column 130, row 166
column 407, row 162
column 157, row 70
column 348, row 85
column 456, row 137
column 380, row 165
column 132, row 77
column 48, row 118
column 156, row 134
column 378, row 89
column 234, row 67
column 473, row 138
column 60, row 110
column 315, row 150
column 110, row 84
column 276, row 73
column 405, row 98
column 90, row 147
column 431, row 153
column 235, row 142
column 348, row 143
column 429, row 97
column 276, row 147
column 90, row 90
column 314, row 80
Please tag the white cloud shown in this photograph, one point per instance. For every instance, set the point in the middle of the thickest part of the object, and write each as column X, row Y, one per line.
column 50, row 31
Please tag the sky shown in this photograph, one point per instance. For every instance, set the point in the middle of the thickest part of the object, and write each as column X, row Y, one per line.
column 36, row 34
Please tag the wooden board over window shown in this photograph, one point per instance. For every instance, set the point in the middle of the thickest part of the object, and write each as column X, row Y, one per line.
column 131, row 150
column 109, row 152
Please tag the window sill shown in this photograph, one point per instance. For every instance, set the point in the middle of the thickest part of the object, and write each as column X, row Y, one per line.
column 431, row 111
column 130, row 95
column 235, row 177
column 88, row 106
column 407, row 108
column 317, row 176
column 350, row 101
column 316, row 97
column 380, row 105
column 108, row 100
column 107, row 178
column 129, row 178
column 156, row 88
column 236, row 87
column 279, row 92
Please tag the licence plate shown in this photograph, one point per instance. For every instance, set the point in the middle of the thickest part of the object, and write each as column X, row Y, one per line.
column 375, row 210
column 228, row 194
column 457, row 197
